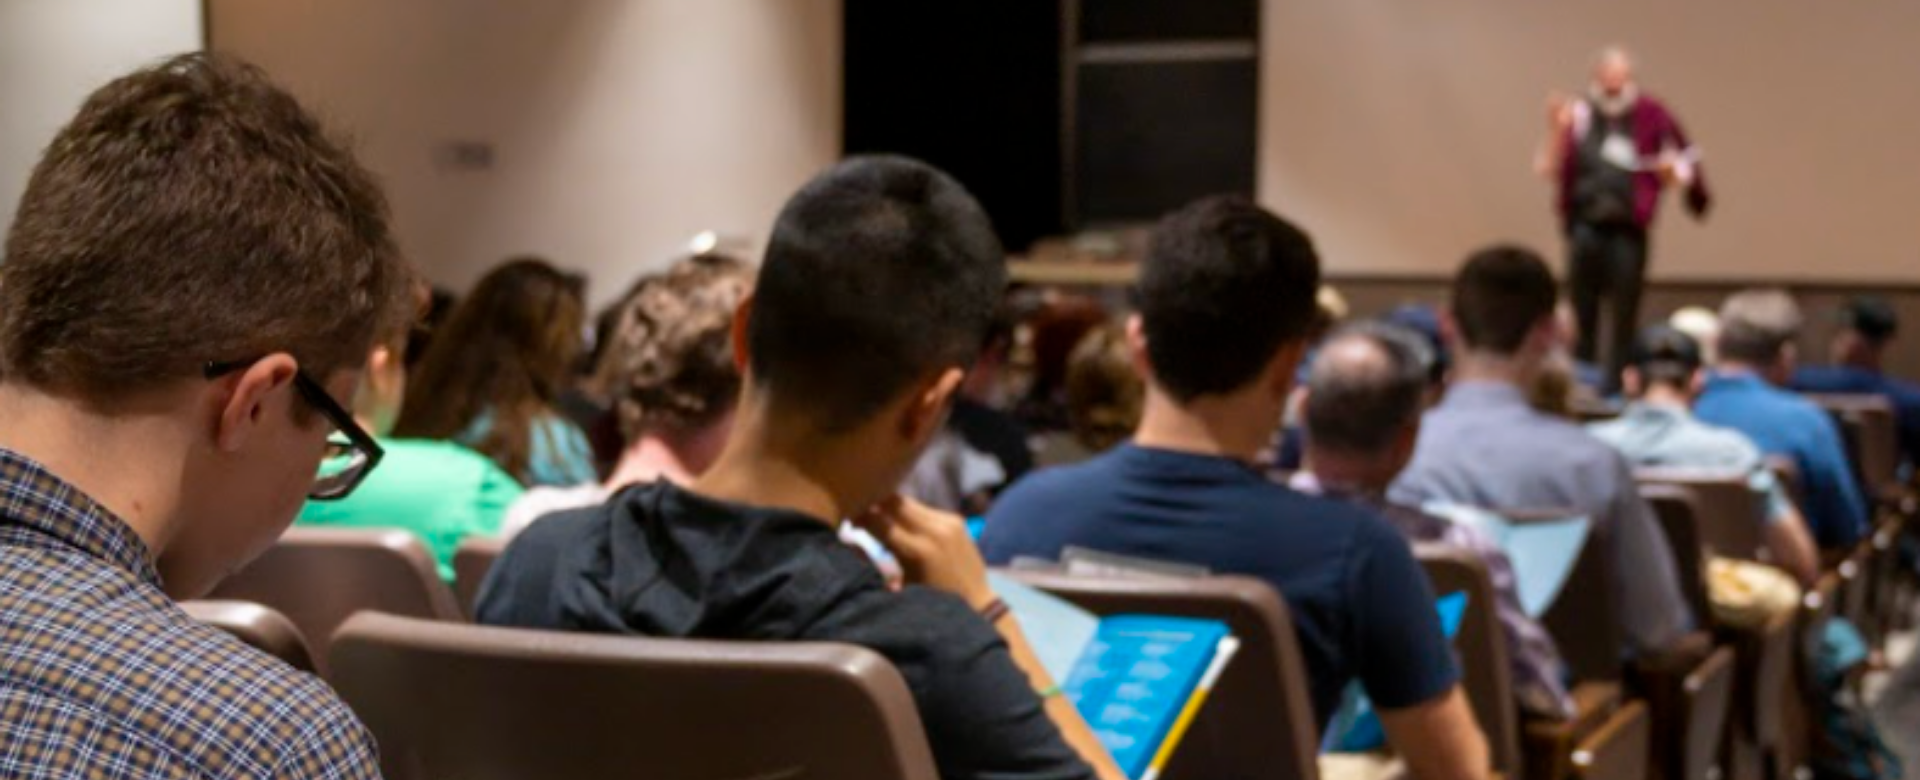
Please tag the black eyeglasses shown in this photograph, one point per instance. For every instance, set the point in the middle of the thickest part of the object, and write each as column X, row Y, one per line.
column 351, row 451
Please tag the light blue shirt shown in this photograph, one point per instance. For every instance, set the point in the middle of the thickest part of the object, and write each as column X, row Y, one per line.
column 1651, row 435
column 1484, row 446
column 1784, row 424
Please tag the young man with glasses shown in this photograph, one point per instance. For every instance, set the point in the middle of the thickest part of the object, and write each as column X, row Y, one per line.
column 192, row 279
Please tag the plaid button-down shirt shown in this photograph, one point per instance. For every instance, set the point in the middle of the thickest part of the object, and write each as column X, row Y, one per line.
column 102, row 676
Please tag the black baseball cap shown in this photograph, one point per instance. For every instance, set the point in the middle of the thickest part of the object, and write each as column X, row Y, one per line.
column 1871, row 317
column 1665, row 344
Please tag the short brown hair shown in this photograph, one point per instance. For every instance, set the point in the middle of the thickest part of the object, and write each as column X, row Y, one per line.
column 669, row 358
column 1500, row 295
column 193, row 212
column 1104, row 394
column 1756, row 325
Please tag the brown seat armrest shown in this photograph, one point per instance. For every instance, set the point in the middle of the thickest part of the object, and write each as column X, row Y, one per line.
column 1619, row 750
column 1548, row 745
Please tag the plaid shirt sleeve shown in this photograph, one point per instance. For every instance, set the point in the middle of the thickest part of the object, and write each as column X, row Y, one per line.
column 333, row 747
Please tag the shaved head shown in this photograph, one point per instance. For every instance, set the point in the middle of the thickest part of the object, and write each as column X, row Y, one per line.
column 1613, row 70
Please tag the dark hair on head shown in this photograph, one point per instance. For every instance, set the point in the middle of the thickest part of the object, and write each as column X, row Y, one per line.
column 1367, row 384
column 1757, row 325
column 1500, row 295
column 668, row 359
column 1225, row 284
column 194, row 212
column 1665, row 356
column 505, row 352
column 880, row 271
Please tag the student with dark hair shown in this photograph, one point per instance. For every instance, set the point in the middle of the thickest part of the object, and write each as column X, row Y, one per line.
column 1226, row 300
column 193, row 278
column 1857, row 359
column 439, row 490
column 1663, row 375
column 493, row 377
column 1757, row 332
column 668, row 362
column 1365, row 394
column 1484, row 446
column 878, row 286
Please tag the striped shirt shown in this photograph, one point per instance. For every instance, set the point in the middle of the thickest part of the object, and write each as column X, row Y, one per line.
column 102, row 676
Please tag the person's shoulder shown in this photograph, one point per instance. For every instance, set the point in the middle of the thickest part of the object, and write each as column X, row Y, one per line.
column 1041, row 487
column 916, row 627
column 439, row 455
column 234, row 706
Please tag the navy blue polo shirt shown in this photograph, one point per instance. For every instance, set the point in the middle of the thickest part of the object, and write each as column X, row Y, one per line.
column 1361, row 604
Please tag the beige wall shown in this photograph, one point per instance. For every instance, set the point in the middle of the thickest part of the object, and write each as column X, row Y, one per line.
column 53, row 53
column 1401, row 133
column 619, row 128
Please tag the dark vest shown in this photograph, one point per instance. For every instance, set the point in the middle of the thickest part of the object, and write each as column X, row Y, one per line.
column 1602, row 191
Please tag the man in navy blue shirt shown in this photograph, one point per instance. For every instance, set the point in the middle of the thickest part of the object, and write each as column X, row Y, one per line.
column 1859, row 351
column 1226, row 298
column 1757, row 331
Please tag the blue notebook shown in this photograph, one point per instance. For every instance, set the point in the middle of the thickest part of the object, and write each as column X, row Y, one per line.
column 1137, row 679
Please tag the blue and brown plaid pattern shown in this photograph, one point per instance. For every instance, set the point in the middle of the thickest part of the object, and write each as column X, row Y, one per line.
column 101, row 676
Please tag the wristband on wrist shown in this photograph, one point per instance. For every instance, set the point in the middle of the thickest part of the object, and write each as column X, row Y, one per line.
column 994, row 610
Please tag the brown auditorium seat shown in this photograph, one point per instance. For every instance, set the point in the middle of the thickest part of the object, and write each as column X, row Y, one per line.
column 318, row 577
column 471, row 562
column 1583, row 619
column 1764, row 670
column 484, row 703
column 1868, row 428
column 1485, row 670
column 1619, row 749
column 260, row 627
column 1679, row 511
column 1258, row 723
column 1730, row 513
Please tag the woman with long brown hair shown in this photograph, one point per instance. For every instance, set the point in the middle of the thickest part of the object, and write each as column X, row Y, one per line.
column 492, row 375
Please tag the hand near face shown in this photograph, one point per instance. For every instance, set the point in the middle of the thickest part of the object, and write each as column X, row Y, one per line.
column 933, row 547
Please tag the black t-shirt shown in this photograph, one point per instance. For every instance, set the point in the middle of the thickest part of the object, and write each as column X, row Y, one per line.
column 657, row 560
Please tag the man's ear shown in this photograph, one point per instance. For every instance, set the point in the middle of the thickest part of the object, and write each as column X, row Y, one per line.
column 1285, row 366
column 1697, row 383
column 1631, row 382
column 1450, row 333
column 927, row 410
column 245, row 400
column 742, row 315
column 1137, row 346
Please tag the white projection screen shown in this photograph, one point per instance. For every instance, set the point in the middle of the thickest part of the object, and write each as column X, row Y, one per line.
column 54, row 52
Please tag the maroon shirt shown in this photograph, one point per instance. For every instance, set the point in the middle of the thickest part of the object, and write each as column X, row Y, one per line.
column 1654, row 128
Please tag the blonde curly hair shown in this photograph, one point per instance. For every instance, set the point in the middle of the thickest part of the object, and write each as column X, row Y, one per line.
column 669, row 361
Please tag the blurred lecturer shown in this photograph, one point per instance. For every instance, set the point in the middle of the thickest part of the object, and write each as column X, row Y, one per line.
column 1611, row 152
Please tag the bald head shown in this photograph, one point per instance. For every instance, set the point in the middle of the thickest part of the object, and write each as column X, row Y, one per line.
column 1366, row 389
column 1613, row 70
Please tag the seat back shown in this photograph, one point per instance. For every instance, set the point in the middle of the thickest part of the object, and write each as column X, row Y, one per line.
column 259, row 627
column 1486, row 672
column 1868, row 427
column 483, row 703
column 1258, row 722
column 471, row 562
column 318, row 577
column 1730, row 515
column 1583, row 619
column 1678, row 511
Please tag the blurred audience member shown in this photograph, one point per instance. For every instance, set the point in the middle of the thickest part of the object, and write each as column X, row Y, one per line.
column 1663, row 375
column 496, row 370
column 439, row 490
column 1757, row 333
column 1857, row 360
column 668, row 360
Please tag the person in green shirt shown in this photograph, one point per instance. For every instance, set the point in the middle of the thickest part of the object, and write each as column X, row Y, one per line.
column 439, row 490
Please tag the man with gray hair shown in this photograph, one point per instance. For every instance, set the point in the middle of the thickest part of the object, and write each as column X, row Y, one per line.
column 1365, row 393
column 1610, row 153
column 1757, row 333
